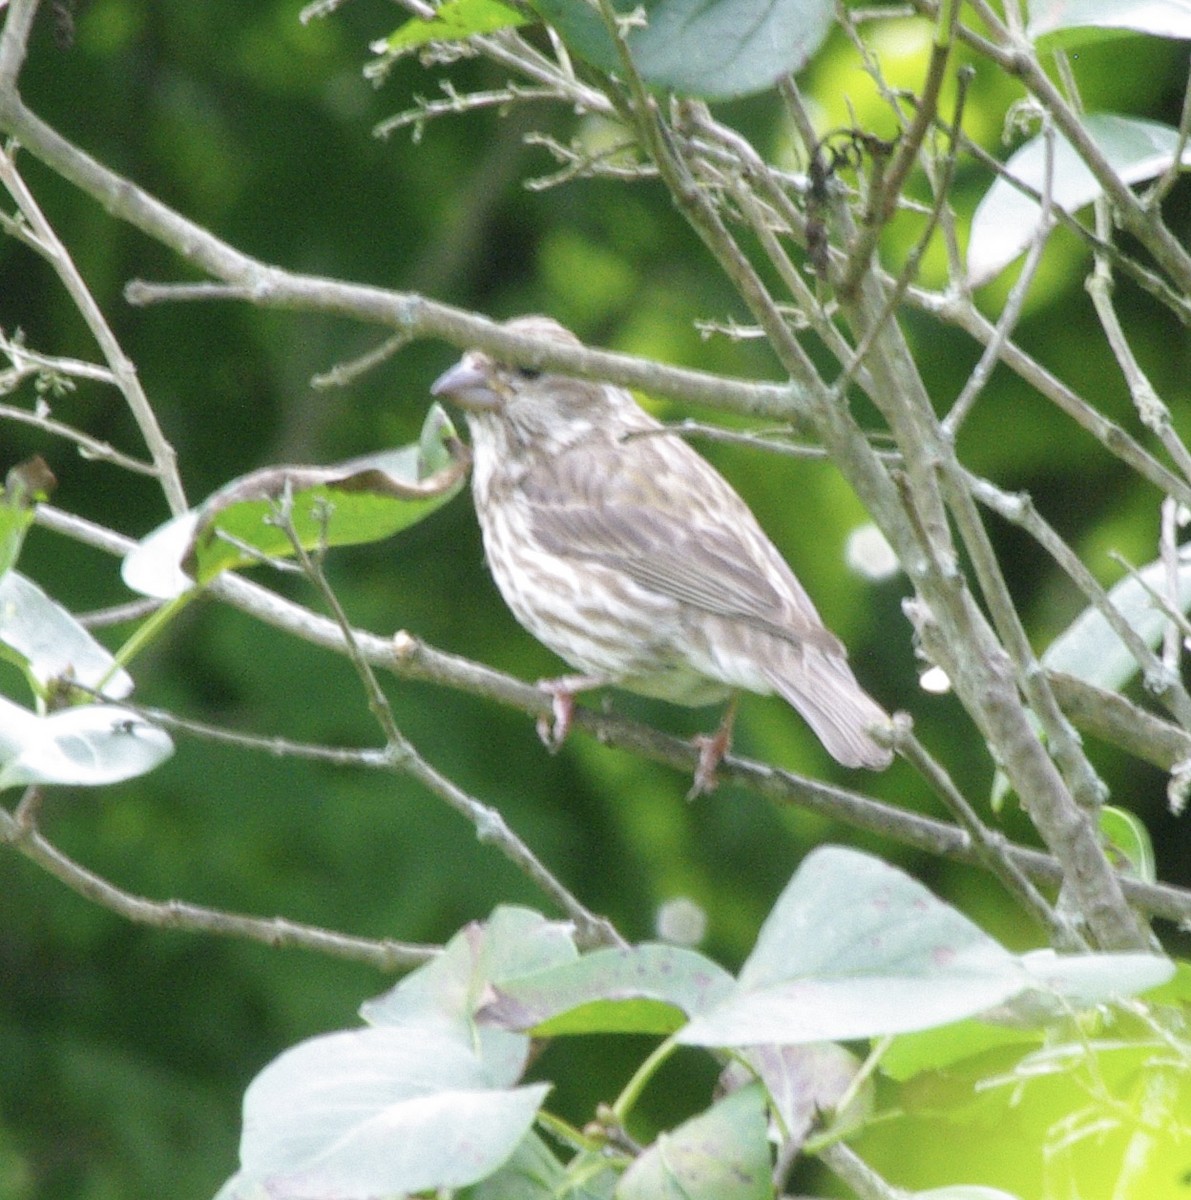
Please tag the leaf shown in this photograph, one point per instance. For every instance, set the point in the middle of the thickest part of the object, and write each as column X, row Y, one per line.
column 643, row 989
column 803, row 1082
column 533, row 1173
column 91, row 745
column 441, row 998
column 1065, row 983
column 717, row 49
column 1006, row 220
column 240, row 1187
column 452, row 22
column 362, row 500
column 46, row 642
column 1061, row 24
column 722, row 1154
column 1128, row 842
column 855, row 948
column 25, row 485
column 1058, row 985
column 374, row 1112
column 1090, row 650
column 1177, row 990
column 910, row 1054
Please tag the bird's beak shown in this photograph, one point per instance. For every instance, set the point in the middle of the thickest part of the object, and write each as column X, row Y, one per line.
column 467, row 385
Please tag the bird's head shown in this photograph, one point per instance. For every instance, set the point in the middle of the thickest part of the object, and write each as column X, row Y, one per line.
column 528, row 406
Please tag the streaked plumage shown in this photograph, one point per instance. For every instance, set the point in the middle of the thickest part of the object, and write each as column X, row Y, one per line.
column 632, row 558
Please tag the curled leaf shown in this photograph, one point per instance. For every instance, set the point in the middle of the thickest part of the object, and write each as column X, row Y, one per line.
column 257, row 517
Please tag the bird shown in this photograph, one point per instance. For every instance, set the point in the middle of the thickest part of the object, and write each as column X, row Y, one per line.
column 626, row 553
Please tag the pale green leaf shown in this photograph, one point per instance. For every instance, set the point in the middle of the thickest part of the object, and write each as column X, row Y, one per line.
column 722, row 1154
column 1062, row 24
column 1090, row 650
column 375, row 1112
column 640, row 989
column 46, row 642
column 1006, row 220
column 87, row 746
column 716, row 50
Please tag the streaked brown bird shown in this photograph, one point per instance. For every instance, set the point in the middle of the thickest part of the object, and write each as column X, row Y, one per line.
column 633, row 559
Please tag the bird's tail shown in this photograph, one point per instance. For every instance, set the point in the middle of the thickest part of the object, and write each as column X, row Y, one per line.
column 821, row 686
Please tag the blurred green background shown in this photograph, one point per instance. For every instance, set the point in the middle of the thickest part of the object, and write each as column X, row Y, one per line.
column 124, row 1050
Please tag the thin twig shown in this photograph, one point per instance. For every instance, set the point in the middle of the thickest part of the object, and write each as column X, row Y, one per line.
column 343, row 374
column 118, row 614
column 990, row 845
column 909, row 271
column 906, row 154
column 1012, row 310
column 386, row 954
column 1146, row 279
column 89, row 447
column 1018, row 58
column 1162, row 185
column 1151, row 411
column 123, row 372
column 490, row 826
column 1020, row 510
column 409, row 658
column 1110, row 435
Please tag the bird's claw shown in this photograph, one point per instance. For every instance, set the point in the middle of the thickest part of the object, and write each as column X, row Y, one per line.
column 712, row 748
column 553, row 730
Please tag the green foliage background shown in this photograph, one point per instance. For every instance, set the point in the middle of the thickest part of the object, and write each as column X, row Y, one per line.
column 124, row 1050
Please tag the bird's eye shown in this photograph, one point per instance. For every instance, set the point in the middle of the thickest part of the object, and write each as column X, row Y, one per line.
column 529, row 372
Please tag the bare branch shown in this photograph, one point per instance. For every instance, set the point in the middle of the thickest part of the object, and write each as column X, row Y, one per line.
column 194, row 918
column 408, row 657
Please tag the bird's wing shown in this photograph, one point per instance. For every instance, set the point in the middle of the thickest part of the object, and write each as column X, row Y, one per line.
column 697, row 543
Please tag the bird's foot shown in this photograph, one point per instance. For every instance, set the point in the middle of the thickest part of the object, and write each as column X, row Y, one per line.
column 553, row 729
column 712, row 748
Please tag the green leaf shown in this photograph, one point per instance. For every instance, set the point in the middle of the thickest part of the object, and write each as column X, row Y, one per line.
column 362, row 500
column 910, row 1054
column 644, row 989
column 375, row 1112
column 717, row 49
column 25, row 485
column 442, row 997
column 49, row 645
column 1128, row 842
column 452, row 22
column 855, row 948
column 1061, row 24
column 1062, row 984
column 722, row 1154
column 1090, row 650
column 803, row 1083
column 533, row 1173
column 1006, row 220
column 88, row 746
